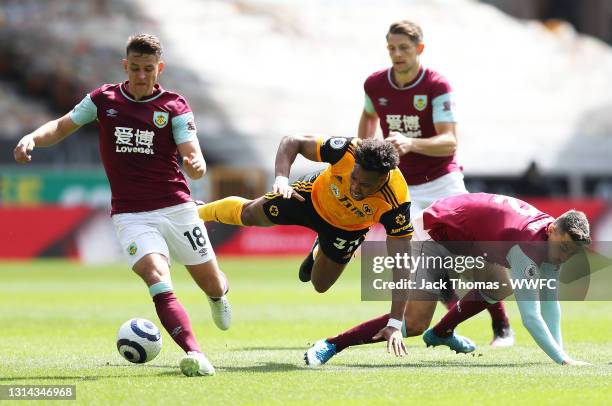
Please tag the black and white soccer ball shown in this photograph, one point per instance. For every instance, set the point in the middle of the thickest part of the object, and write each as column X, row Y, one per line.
column 139, row 341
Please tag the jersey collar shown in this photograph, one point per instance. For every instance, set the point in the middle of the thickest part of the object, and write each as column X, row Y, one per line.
column 157, row 91
column 419, row 77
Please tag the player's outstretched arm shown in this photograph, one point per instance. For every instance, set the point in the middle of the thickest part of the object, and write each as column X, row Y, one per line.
column 288, row 149
column 549, row 304
column 46, row 135
column 193, row 160
column 393, row 331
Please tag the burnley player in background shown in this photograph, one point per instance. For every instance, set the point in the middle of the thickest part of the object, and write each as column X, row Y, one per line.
column 141, row 128
column 415, row 108
column 530, row 243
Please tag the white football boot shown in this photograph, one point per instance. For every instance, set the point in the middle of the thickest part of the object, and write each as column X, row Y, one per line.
column 196, row 364
column 221, row 311
column 503, row 337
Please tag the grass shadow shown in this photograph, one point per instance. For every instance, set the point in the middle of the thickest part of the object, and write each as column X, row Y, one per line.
column 51, row 378
column 445, row 364
column 269, row 348
column 266, row 367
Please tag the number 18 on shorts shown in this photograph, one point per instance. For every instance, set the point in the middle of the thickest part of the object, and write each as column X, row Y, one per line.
column 176, row 232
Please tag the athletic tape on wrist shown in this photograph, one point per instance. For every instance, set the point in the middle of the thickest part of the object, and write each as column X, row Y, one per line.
column 395, row 323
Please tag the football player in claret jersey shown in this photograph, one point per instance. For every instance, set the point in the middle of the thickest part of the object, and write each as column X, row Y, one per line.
column 518, row 237
column 415, row 107
column 361, row 186
column 141, row 128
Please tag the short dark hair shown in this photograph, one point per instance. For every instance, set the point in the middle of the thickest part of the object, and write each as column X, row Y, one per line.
column 147, row 44
column 576, row 225
column 405, row 27
column 376, row 155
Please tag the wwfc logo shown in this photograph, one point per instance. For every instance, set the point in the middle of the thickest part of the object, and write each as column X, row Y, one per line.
column 274, row 210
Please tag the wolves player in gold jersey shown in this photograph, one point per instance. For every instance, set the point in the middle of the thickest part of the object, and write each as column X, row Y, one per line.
column 361, row 186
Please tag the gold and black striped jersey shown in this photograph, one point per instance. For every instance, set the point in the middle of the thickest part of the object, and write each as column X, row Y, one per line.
column 331, row 197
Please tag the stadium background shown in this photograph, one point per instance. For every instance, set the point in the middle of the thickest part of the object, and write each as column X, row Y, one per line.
column 530, row 87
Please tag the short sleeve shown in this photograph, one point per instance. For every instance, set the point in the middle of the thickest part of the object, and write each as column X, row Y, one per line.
column 84, row 112
column 442, row 100
column 397, row 221
column 331, row 150
column 368, row 106
column 184, row 128
column 443, row 109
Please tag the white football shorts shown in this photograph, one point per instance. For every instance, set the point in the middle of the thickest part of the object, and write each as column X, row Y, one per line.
column 176, row 232
column 422, row 196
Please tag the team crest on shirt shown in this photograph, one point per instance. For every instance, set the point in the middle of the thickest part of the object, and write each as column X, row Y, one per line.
column 160, row 119
column 132, row 248
column 367, row 210
column 335, row 190
column 420, row 101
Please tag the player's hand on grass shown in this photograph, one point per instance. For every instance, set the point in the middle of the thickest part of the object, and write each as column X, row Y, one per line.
column 23, row 149
column 194, row 165
column 574, row 362
column 282, row 187
column 402, row 144
column 395, row 341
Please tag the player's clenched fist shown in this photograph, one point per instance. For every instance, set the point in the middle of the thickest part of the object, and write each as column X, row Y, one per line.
column 23, row 149
column 401, row 143
column 194, row 165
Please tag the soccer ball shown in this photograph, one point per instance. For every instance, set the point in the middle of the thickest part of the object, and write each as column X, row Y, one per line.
column 139, row 341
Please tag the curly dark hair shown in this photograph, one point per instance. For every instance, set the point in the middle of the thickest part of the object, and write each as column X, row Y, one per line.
column 376, row 155
column 146, row 44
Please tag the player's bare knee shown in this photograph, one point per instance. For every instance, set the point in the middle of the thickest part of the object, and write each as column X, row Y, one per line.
column 415, row 329
column 246, row 216
column 253, row 215
column 150, row 275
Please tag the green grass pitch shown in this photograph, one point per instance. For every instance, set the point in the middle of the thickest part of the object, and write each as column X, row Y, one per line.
column 59, row 320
